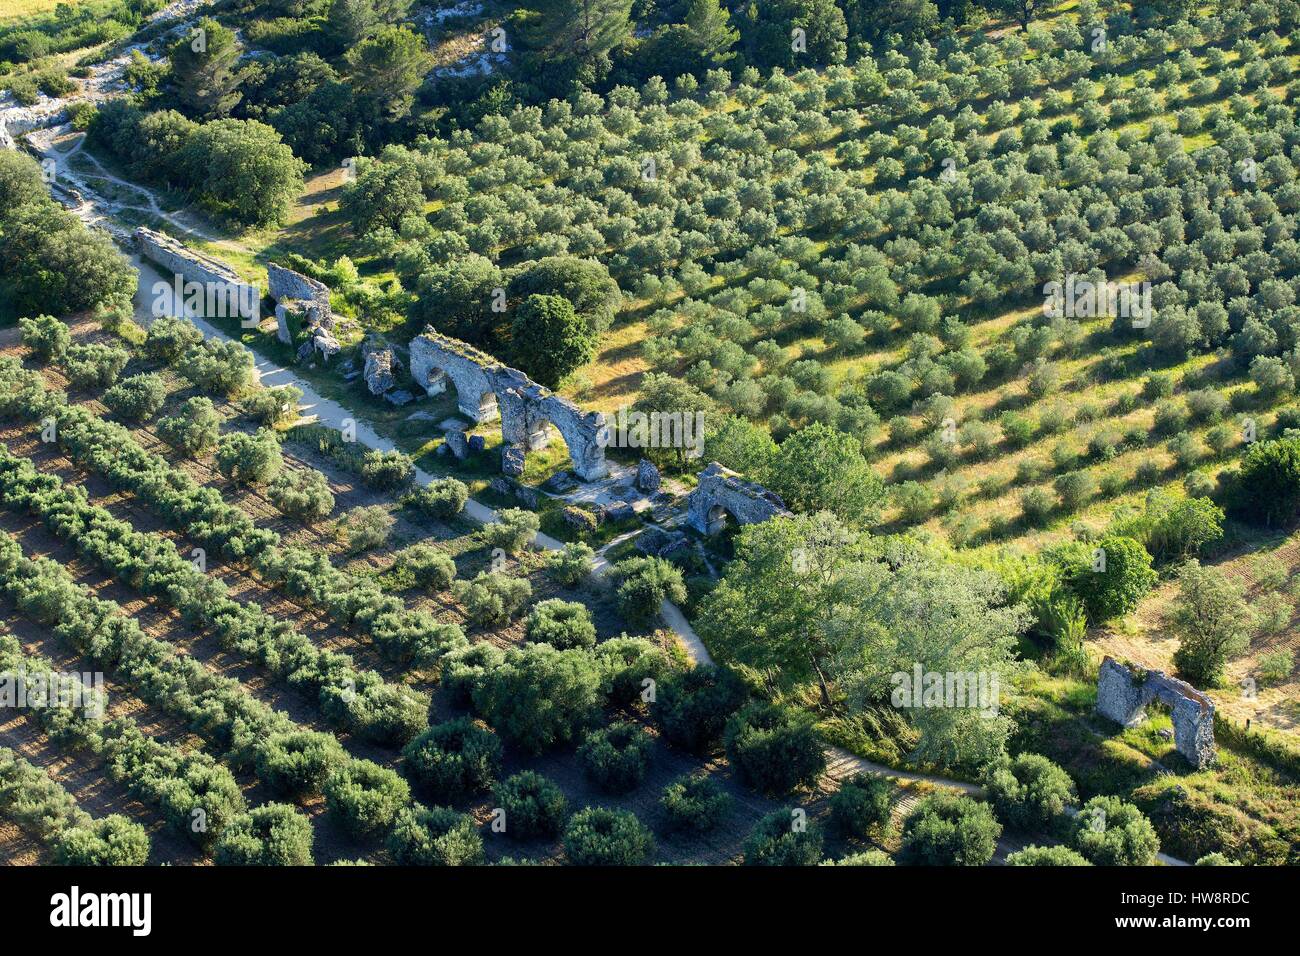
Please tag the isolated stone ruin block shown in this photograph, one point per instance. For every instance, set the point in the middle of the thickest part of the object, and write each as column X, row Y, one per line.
column 512, row 460
column 722, row 492
column 648, row 478
column 456, row 442
column 1124, row 693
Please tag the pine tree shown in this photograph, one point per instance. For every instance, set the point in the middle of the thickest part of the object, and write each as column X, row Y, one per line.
column 205, row 70
column 708, row 25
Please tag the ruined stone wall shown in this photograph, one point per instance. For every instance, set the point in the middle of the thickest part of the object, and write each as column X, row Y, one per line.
column 721, row 492
column 174, row 257
column 487, row 388
column 285, row 284
column 1123, row 695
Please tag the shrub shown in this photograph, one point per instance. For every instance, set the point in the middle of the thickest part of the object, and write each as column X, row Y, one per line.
column 616, row 758
column 170, row 337
column 492, row 599
column 217, row 367
column 386, row 470
column 108, row 841
column 1275, row 667
column 861, row 805
column 1029, row 792
column 571, row 564
column 94, row 365
column 562, row 624
column 782, row 839
column 865, row 858
column 274, row 834
column 534, row 807
column 775, row 748
column 442, row 498
column 364, row 528
column 1110, row 832
column 692, row 707
column 512, row 531
column 644, row 584
column 1046, row 856
column 137, row 398
column 632, row 668
column 1212, row 620
column 303, row 493
column 428, row 567
column 271, row 406
column 194, row 428
column 463, row 666
column 365, row 797
column 249, row 459
column 437, row 836
column 950, row 830
column 694, row 803
column 454, row 760
column 598, row 836
column 46, row 336
column 1214, row 859
column 297, row 763
column 538, row 697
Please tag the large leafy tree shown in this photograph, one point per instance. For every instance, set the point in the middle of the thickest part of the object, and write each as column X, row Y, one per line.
column 794, row 33
column 789, row 598
column 387, row 68
column 1212, row 621
column 549, row 339
column 244, row 169
column 820, row 468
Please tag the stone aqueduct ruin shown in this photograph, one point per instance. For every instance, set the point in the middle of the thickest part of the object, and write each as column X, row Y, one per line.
column 722, row 492
column 1123, row 694
column 486, row 389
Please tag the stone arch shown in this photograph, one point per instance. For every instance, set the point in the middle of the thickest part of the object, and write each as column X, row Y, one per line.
column 723, row 492
column 486, row 389
column 1123, row 694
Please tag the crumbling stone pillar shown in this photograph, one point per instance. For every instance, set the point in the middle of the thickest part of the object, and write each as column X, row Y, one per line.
column 720, row 492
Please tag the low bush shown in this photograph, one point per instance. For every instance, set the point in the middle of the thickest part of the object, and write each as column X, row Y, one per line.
column 454, row 760
column 1110, row 832
column 950, row 830
column 616, row 758
column 694, row 803
column 365, row 797
column 274, row 834
column 562, row 624
column 692, row 707
column 861, row 806
column 534, row 807
column 783, row 838
column 774, row 748
column 1030, row 793
column 437, row 836
column 598, row 836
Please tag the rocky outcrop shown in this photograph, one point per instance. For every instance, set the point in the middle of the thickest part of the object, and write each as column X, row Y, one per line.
column 487, row 389
column 722, row 492
column 1123, row 694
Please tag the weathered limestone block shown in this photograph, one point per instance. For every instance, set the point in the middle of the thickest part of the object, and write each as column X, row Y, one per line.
column 721, row 492
column 1123, row 695
column 456, row 442
column 239, row 298
column 381, row 370
column 648, row 478
column 477, row 444
column 512, row 460
column 290, row 315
